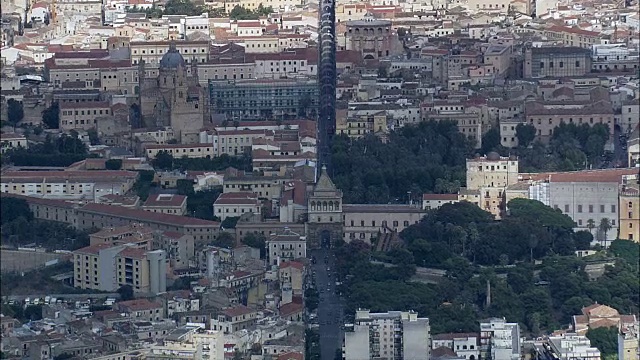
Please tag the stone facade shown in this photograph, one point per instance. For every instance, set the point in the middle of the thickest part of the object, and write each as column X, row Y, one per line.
column 324, row 212
column 173, row 99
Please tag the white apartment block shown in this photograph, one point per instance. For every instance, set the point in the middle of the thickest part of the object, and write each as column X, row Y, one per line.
column 190, row 342
column 67, row 185
column 500, row 339
column 573, row 347
column 391, row 335
column 12, row 141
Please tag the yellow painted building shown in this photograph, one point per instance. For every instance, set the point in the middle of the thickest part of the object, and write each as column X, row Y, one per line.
column 629, row 211
column 361, row 125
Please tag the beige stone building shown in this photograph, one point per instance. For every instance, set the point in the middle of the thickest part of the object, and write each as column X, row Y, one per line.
column 179, row 151
column 628, row 342
column 135, row 233
column 547, row 115
column 368, row 222
column 498, row 57
column 360, row 125
column 12, row 141
column 82, row 116
column 572, row 36
column 107, row 268
column 151, row 52
column 629, row 210
column 488, row 178
column 286, row 245
column 166, row 204
column 597, row 316
column 236, row 204
column 174, row 98
column 556, row 61
column 372, row 38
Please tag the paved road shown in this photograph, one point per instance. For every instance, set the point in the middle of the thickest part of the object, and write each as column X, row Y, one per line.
column 330, row 316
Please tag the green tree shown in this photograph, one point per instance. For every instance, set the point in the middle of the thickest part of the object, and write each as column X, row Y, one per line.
column 13, row 208
column 256, row 241
column 125, row 292
column 605, row 339
column 94, row 139
column 229, row 222
column 225, row 240
column 490, row 140
column 51, row 116
column 605, row 226
column 240, row 13
column 185, row 187
column 15, row 112
column 525, row 134
column 591, row 224
column 163, row 161
column 113, row 164
column 538, row 212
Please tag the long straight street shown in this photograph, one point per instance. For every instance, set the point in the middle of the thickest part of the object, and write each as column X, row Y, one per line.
column 330, row 317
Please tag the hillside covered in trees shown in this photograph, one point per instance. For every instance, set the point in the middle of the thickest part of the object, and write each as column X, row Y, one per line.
column 474, row 250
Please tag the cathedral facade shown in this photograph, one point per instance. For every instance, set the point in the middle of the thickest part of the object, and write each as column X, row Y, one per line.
column 174, row 98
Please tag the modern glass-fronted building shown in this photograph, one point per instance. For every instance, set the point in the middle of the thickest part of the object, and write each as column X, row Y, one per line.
column 264, row 99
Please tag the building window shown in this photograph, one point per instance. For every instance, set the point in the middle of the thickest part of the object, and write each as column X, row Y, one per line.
column 590, row 208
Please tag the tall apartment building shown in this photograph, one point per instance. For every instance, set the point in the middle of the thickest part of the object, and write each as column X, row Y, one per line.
column 487, row 179
column 107, row 268
column 394, row 335
column 499, row 339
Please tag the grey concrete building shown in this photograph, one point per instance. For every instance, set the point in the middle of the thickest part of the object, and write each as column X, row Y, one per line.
column 394, row 335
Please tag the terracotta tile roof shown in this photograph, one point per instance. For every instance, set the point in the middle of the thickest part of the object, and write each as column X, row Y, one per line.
column 237, row 310
column 291, row 356
column 290, row 309
column 93, row 249
column 132, row 252
column 240, row 274
column 294, row 264
column 605, row 175
column 138, row 304
column 164, row 200
column 239, row 198
column 146, row 216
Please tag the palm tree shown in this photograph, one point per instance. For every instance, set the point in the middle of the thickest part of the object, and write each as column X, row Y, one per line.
column 605, row 226
column 591, row 224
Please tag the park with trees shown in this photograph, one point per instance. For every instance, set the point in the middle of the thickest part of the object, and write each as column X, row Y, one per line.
column 527, row 258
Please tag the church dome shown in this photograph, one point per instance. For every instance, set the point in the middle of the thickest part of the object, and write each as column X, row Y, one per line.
column 172, row 59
